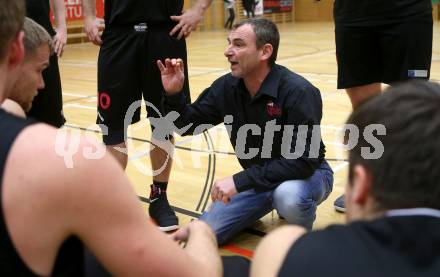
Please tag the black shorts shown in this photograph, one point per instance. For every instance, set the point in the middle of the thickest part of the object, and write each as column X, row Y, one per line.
column 47, row 106
column 383, row 54
column 127, row 71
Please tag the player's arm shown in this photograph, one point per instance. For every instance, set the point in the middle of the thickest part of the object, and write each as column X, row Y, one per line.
column 60, row 39
column 188, row 21
column 94, row 201
column 114, row 227
column 92, row 25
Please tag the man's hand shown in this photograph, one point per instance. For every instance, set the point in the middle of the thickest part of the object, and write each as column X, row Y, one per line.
column 92, row 27
column 187, row 22
column 172, row 75
column 223, row 190
column 59, row 41
column 201, row 247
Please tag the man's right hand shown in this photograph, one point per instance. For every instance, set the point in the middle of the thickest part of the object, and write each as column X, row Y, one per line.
column 92, row 27
column 172, row 75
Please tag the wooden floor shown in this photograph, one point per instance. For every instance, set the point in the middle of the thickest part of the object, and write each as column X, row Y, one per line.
column 306, row 48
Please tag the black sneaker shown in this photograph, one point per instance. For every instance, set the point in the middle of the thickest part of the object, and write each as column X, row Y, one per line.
column 339, row 204
column 161, row 212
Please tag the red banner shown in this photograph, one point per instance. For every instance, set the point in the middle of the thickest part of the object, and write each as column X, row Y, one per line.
column 276, row 6
column 74, row 9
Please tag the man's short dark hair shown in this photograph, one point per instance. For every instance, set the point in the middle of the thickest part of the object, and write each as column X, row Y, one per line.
column 12, row 14
column 34, row 36
column 407, row 175
column 266, row 32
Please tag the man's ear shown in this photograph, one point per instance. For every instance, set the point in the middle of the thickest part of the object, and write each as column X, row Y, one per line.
column 267, row 51
column 361, row 185
column 16, row 51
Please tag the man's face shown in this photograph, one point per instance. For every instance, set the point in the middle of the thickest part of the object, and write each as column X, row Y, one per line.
column 30, row 79
column 242, row 52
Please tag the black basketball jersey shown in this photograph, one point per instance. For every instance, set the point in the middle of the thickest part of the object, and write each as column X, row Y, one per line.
column 39, row 10
column 379, row 12
column 130, row 12
column 70, row 259
column 404, row 246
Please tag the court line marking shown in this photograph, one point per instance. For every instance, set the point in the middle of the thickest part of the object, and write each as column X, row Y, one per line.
column 209, row 138
column 205, row 186
column 79, row 106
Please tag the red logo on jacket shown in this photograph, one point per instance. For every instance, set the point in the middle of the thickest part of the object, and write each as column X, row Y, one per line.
column 272, row 109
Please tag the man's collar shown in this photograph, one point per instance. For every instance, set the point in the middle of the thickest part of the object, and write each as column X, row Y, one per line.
column 269, row 86
column 414, row 212
column 271, row 83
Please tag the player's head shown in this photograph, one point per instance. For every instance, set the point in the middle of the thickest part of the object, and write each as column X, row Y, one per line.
column 12, row 14
column 11, row 21
column 406, row 175
column 37, row 44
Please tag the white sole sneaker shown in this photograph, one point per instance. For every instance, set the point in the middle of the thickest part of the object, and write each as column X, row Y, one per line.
column 340, row 209
column 168, row 228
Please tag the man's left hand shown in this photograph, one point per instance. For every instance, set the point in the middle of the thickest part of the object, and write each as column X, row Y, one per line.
column 187, row 22
column 223, row 190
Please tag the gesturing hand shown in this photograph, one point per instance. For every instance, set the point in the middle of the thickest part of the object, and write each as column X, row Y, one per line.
column 172, row 75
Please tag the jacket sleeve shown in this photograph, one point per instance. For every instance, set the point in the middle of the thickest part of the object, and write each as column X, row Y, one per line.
column 307, row 111
column 193, row 119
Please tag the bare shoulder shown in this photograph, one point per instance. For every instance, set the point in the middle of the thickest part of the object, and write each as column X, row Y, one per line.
column 48, row 159
column 62, row 183
column 272, row 250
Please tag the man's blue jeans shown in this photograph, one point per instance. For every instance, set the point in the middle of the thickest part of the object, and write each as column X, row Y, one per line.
column 295, row 200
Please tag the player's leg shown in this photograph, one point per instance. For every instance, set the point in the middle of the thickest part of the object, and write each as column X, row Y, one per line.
column 407, row 49
column 359, row 62
column 359, row 68
column 162, row 144
column 118, row 89
column 359, row 94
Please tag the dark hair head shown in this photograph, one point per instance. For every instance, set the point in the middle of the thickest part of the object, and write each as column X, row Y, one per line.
column 11, row 21
column 266, row 32
column 407, row 175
